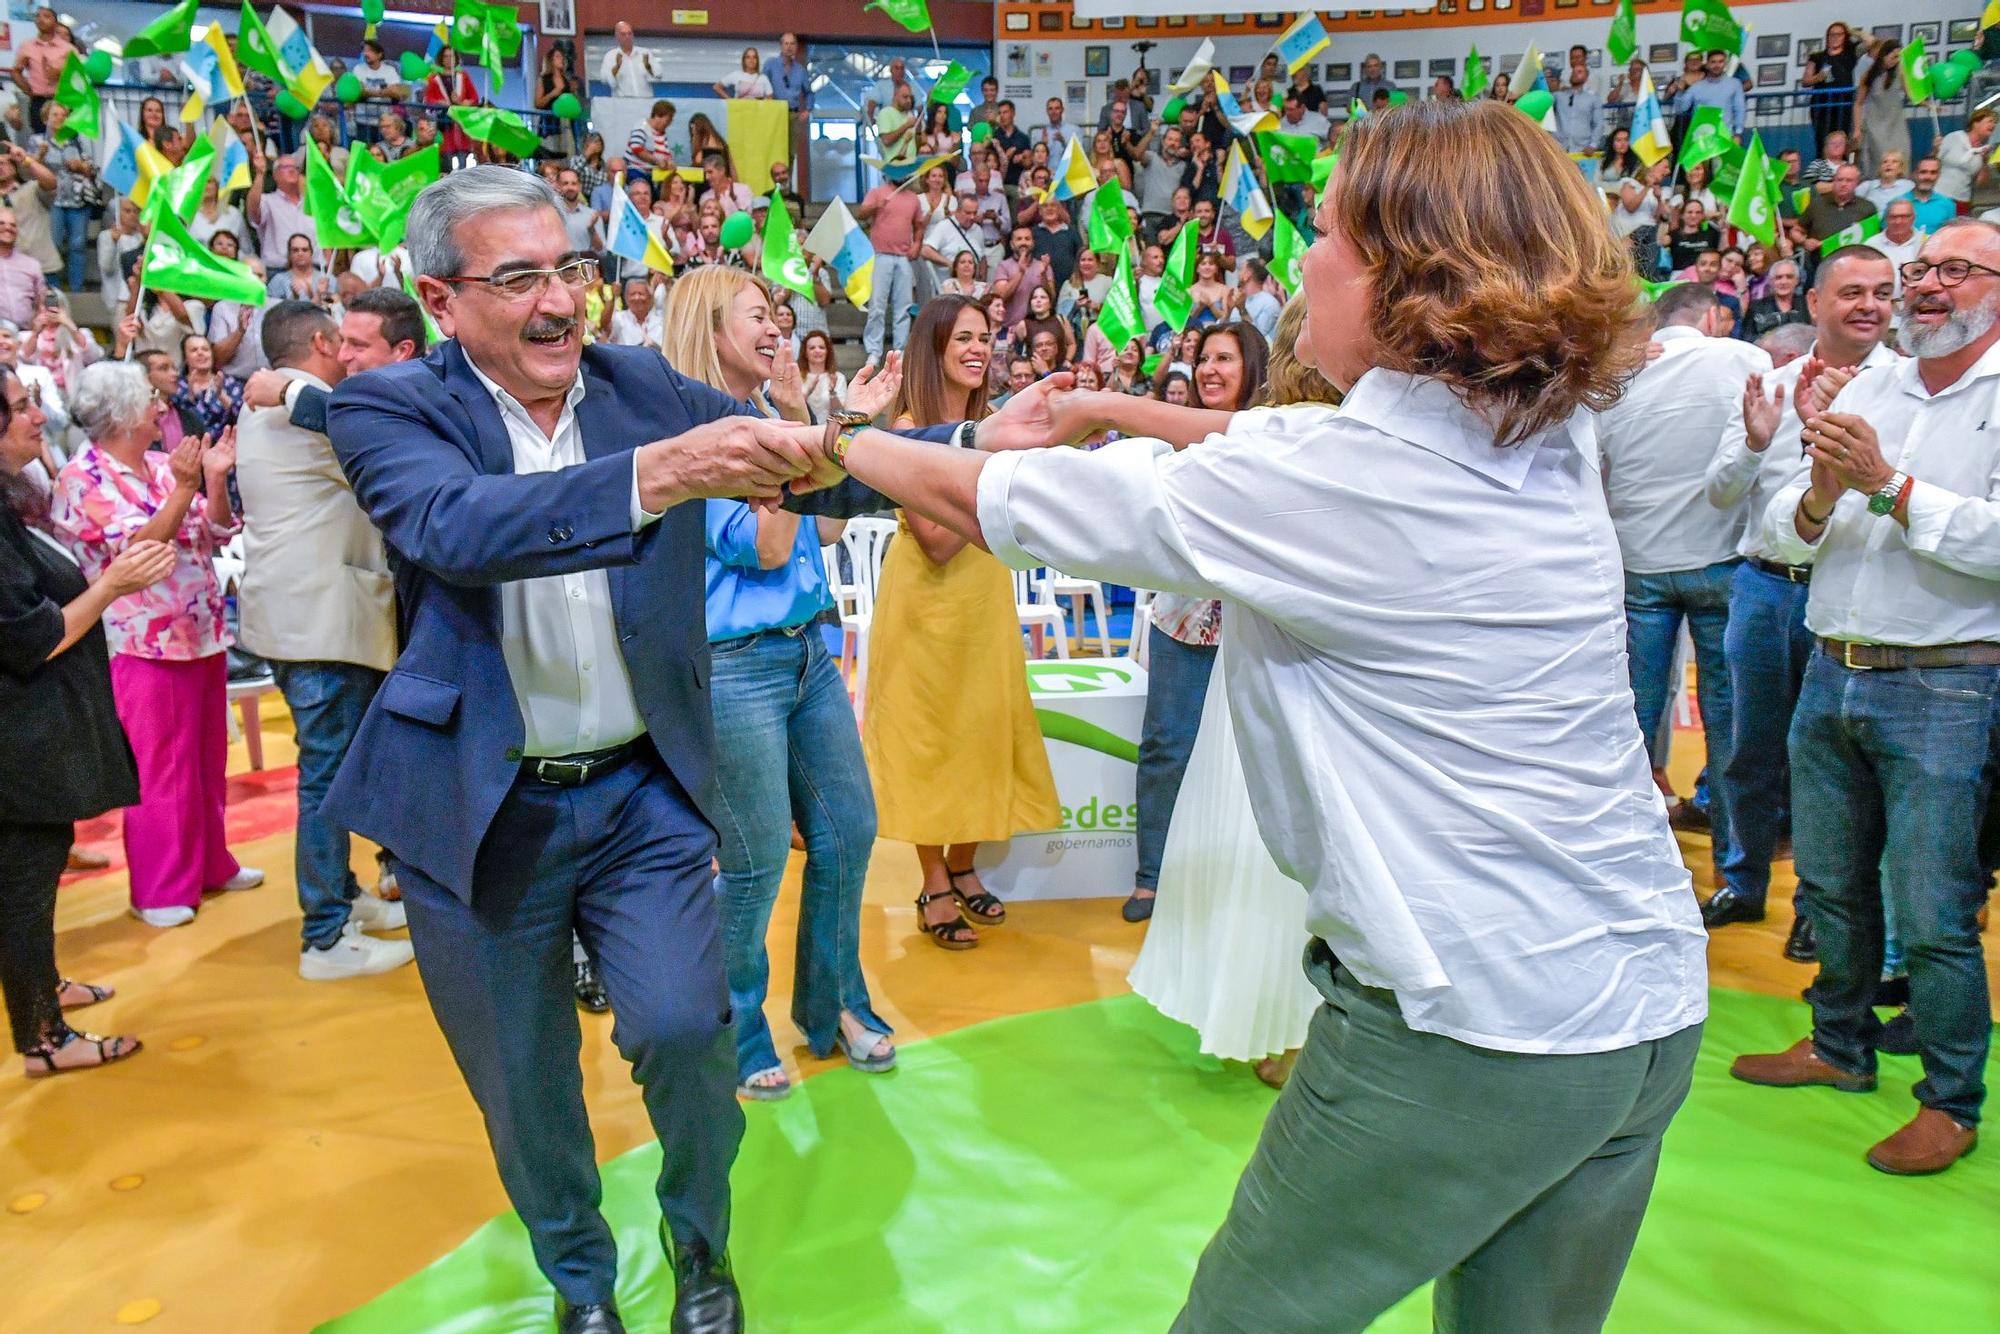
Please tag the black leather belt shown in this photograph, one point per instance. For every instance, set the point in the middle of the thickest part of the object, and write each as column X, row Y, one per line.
column 576, row 770
column 1896, row 658
column 1797, row 574
column 788, row 631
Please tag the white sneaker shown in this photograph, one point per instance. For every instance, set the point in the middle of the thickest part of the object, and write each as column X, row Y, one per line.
column 373, row 914
column 164, row 917
column 246, row 877
column 353, row 955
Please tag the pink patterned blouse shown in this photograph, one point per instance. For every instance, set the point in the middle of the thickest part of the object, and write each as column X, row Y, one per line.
column 99, row 504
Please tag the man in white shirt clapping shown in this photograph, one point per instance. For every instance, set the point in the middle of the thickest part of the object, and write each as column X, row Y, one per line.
column 1892, row 744
column 629, row 69
column 1767, row 640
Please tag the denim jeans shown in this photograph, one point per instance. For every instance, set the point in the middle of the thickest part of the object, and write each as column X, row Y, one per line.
column 327, row 700
column 69, row 228
column 1769, row 647
column 1655, row 606
column 788, row 750
column 1176, row 687
column 1891, row 775
column 895, row 289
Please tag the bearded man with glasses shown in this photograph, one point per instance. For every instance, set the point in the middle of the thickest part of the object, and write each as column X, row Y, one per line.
column 542, row 505
column 1892, row 744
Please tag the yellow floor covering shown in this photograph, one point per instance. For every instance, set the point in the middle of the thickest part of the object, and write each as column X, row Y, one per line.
column 285, row 1150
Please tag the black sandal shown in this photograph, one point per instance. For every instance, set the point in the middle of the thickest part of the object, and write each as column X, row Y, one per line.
column 41, row 1061
column 950, row 935
column 98, row 994
column 983, row 908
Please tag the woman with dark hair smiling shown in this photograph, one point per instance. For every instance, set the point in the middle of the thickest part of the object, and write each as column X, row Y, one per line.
column 1427, row 678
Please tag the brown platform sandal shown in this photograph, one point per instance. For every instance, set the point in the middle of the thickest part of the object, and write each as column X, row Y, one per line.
column 983, row 908
column 951, row 935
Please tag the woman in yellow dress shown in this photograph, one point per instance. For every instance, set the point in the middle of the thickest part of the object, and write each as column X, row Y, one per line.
column 950, row 732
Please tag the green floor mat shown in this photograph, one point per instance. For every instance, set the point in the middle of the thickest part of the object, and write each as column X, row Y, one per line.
column 1061, row 1171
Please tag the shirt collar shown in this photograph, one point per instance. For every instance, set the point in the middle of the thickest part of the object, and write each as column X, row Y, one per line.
column 1425, row 412
column 306, row 377
column 509, row 404
column 1985, row 368
column 1677, row 333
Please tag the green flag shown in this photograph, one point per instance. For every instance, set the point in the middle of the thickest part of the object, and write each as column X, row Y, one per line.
column 180, row 189
column 1750, row 207
column 75, row 91
column 502, row 129
column 912, row 14
column 490, row 32
column 1707, row 25
column 1724, row 170
column 254, row 47
column 1287, row 157
column 982, row 130
column 380, row 193
column 1110, row 225
column 434, row 334
column 1288, row 255
column 1652, row 291
column 1322, row 168
column 1120, row 320
column 1475, row 73
column 335, row 221
column 172, row 31
column 1917, row 71
column 1172, row 298
column 1854, row 235
column 1622, row 43
column 953, row 82
column 1707, row 136
column 176, row 262
column 784, row 261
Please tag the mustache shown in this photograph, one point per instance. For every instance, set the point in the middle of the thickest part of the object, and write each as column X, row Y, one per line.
column 549, row 326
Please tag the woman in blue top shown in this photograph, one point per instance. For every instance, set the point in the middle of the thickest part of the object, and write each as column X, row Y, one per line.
column 789, row 751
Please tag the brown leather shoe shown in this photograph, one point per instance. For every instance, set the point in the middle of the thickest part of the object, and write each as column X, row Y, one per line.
column 1797, row 1066
column 1930, row 1143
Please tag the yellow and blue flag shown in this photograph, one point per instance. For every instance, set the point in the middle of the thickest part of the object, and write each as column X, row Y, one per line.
column 1649, row 128
column 211, row 70
column 1074, row 178
column 232, row 164
column 838, row 239
column 1528, row 73
column 1240, row 192
column 632, row 239
column 1302, row 41
column 1243, row 122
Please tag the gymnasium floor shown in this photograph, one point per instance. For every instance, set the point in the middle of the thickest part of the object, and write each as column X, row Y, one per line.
column 289, row 1155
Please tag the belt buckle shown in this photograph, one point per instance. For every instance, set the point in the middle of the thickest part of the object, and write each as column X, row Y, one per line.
column 1847, row 658
column 563, row 773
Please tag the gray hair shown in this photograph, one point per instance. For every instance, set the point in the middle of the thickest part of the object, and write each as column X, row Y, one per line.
column 110, row 398
column 1789, row 340
column 457, row 198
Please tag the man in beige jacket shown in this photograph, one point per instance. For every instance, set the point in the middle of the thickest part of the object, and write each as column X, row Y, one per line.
column 317, row 599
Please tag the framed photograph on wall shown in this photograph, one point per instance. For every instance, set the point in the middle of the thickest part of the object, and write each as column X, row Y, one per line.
column 1807, row 45
column 1409, row 69
column 1445, row 66
column 1146, row 21
column 1177, row 20
column 1017, row 23
column 1774, row 46
column 1240, row 74
column 1049, row 20
column 1339, row 71
column 1932, row 33
column 1962, row 31
column 1893, row 31
column 1663, row 53
column 1113, row 23
column 559, row 18
column 1096, row 62
column 1473, row 6
column 1773, row 75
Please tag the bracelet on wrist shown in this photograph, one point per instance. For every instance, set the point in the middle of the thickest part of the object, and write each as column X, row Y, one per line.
column 1811, row 518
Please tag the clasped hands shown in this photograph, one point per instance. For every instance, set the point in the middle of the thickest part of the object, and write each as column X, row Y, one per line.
column 1845, row 451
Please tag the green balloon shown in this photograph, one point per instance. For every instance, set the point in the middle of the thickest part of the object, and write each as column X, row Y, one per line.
column 348, row 88
column 567, row 107
column 371, row 11
column 1171, row 112
column 413, row 66
column 1967, row 60
column 1534, row 104
column 291, row 107
column 737, row 229
column 98, row 66
column 1947, row 79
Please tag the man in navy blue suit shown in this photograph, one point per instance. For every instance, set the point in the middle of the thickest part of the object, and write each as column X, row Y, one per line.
column 538, row 758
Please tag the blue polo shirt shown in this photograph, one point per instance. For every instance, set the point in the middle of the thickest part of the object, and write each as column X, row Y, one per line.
column 790, row 84
column 1932, row 213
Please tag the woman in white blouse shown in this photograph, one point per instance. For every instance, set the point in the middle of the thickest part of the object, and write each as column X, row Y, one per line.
column 749, row 80
column 826, row 387
column 1427, row 676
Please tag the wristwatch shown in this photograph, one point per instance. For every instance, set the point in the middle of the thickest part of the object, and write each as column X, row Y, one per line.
column 1884, row 501
column 840, row 428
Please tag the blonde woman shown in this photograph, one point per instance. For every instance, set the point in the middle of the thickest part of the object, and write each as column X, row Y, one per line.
column 1229, row 927
column 791, row 752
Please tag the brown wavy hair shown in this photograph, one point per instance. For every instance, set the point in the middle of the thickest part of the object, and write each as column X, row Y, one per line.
column 1491, row 264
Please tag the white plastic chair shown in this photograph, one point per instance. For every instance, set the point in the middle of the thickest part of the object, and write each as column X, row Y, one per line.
column 839, row 585
column 1142, row 625
column 1078, row 595
column 1035, row 604
column 866, row 542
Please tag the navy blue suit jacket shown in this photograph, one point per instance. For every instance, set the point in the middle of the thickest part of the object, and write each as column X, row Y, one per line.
column 425, row 449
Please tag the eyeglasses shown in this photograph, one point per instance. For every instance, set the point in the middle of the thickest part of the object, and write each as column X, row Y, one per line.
column 1950, row 272
column 524, row 283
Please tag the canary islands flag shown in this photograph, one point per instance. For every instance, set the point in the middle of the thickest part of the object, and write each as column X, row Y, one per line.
column 211, row 69
column 1240, row 192
column 1649, row 127
column 838, row 239
column 632, row 239
column 1074, row 177
column 1302, row 41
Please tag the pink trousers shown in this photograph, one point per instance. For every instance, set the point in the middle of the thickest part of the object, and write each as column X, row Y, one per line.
column 176, row 715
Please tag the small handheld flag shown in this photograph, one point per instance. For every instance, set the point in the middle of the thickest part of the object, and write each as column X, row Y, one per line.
column 784, row 262
column 1240, row 192
column 838, row 239
column 1649, row 127
column 632, row 239
column 1302, row 41
column 1173, row 298
column 1475, row 73
column 1622, row 42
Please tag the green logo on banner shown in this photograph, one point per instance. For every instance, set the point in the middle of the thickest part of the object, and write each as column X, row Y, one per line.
column 1075, row 678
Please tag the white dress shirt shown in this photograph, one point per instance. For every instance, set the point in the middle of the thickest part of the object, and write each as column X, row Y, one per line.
column 1899, row 254
column 1657, row 442
column 634, row 75
column 1934, row 582
column 1739, row 480
column 628, row 332
column 1428, row 681
column 558, row 634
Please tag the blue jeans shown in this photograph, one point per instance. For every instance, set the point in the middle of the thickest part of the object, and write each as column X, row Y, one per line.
column 1891, row 775
column 1769, row 647
column 327, row 700
column 789, row 751
column 1176, row 687
column 895, row 289
column 69, row 228
column 1655, row 606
